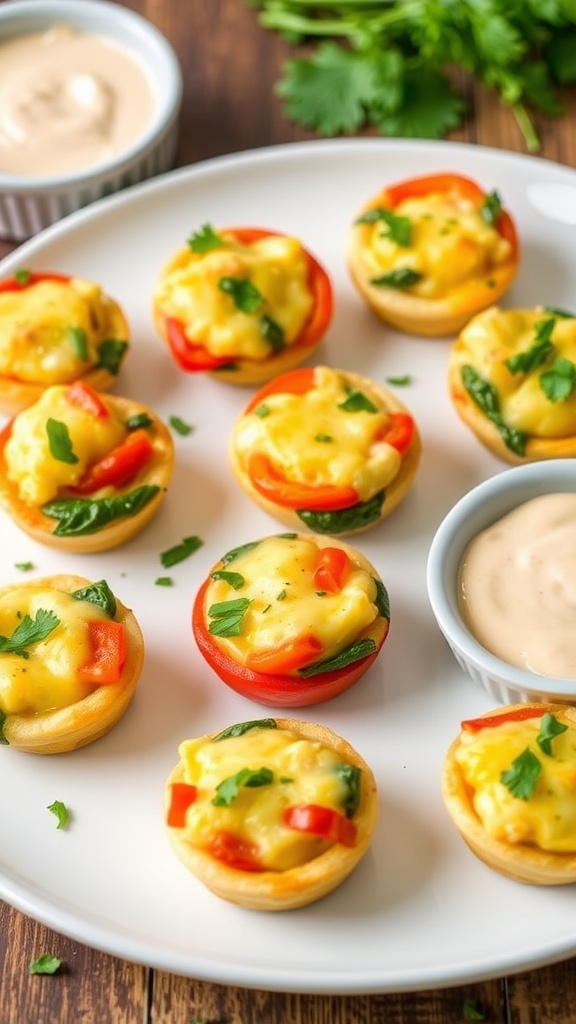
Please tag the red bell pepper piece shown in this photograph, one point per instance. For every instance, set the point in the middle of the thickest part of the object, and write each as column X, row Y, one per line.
column 333, row 569
column 294, row 382
column 492, row 721
column 321, row 821
column 13, row 284
column 87, row 399
column 108, row 646
column 182, row 796
column 271, row 484
column 234, row 851
column 190, row 355
column 398, row 431
column 119, row 466
column 286, row 657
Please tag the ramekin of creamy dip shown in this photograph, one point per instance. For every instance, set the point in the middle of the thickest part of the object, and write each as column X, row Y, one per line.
column 90, row 95
column 501, row 577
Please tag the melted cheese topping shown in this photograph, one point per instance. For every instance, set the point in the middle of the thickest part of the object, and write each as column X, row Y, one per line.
column 451, row 244
column 189, row 292
column 548, row 818
column 36, row 344
column 278, row 575
column 495, row 336
column 304, row 772
column 29, row 463
column 48, row 677
column 313, row 441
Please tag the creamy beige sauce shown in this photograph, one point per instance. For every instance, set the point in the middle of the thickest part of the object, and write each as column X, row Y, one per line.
column 68, row 101
column 517, row 587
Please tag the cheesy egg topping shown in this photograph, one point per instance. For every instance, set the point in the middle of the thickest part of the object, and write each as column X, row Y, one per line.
column 276, row 599
column 521, row 792
column 449, row 245
column 29, row 452
column 236, row 299
column 321, row 437
column 43, row 675
column 527, row 359
column 244, row 784
column 53, row 332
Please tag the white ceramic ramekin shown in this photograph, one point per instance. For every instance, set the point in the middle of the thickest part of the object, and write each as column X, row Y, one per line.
column 477, row 510
column 29, row 204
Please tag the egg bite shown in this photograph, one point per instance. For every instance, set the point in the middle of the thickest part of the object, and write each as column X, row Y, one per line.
column 512, row 381
column 271, row 814
column 82, row 471
column 327, row 449
column 71, row 655
column 430, row 252
column 242, row 304
column 508, row 787
column 56, row 329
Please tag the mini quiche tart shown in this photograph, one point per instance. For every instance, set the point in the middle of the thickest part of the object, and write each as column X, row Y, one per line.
column 327, row 449
column 82, row 471
column 430, row 252
column 508, row 786
column 271, row 814
column 242, row 303
column 512, row 380
column 291, row 620
column 55, row 329
column 71, row 655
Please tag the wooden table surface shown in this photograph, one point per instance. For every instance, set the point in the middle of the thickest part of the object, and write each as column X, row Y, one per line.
column 230, row 65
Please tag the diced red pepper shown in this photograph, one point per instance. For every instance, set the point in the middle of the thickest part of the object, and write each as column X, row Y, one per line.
column 398, row 431
column 182, row 796
column 234, row 851
column 286, row 657
column 87, row 399
column 321, row 821
column 333, row 569
column 119, row 466
column 13, row 284
column 108, row 646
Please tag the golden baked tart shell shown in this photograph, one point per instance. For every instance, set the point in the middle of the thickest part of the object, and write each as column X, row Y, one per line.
column 521, row 861
column 299, row 886
column 16, row 394
column 396, row 490
column 412, row 314
column 66, row 729
column 157, row 472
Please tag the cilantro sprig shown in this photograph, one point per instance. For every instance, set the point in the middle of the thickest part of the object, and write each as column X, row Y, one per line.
column 386, row 63
column 28, row 632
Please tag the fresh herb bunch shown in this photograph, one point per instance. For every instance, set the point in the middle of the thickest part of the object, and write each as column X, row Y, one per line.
column 386, row 63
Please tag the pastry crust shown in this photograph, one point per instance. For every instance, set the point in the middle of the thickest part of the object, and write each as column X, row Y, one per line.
column 521, row 861
column 158, row 472
column 415, row 314
column 298, row 886
column 16, row 394
column 395, row 491
column 65, row 729
column 247, row 372
column 535, row 448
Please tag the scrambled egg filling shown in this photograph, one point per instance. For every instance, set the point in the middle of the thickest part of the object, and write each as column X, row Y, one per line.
column 284, row 602
column 495, row 336
column 548, row 818
column 46, row 677
column 50, row 332
column 276, row 266
column 451, row 245
column 303, row 772
column 30, row 464
column 312, row 440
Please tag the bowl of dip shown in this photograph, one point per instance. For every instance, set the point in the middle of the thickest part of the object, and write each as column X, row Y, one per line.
column 90, row 96
column 501, row 578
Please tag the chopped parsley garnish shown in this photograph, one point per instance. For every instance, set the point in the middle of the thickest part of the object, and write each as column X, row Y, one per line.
column 45, row 964
column 491, row 208
column 281, row 595
column 550, row 727
column 79, row 342
column 61, row 812
column 22, row 276
column 399, row 228
column 140, row 421
column 205, row 239
column 240, row 728
column 180, row 426
column 29, row 632
column 178, row 553
column 240, row 550
column 164, row 581
column 538, row 353
column 351, row 776
column 243, row 293
column 59, row 441
column 357, row 401
column 24, row 566
column 233, row 579
column 400, row 381
column 486, row 397
column 471, row 1011
column 111, row 353
column 402, row 277
column 272, row 332
column 262, row 410
column 228, row 789
column 353, row 652
column 522, row 775
column 559, row 380
column 227, row 616
column 324, row 438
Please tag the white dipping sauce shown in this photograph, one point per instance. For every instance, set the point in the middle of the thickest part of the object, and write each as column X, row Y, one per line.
column 517, row 586
column 68, row 100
